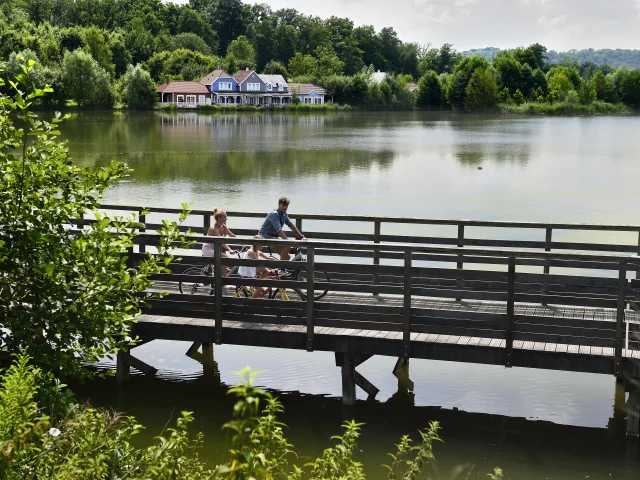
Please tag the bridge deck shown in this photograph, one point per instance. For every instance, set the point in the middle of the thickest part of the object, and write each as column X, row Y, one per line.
column 438, row 346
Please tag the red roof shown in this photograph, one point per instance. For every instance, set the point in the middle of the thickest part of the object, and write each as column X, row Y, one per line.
column 180, row 86
column 213, row 76
column 242, row 75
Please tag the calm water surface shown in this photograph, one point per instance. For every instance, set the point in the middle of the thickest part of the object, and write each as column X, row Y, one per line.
column 534, row 423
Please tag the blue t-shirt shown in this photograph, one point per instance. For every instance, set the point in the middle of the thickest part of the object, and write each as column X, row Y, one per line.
column 274, row 223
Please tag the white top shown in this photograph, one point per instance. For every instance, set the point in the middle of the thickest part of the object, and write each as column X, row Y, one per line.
column 246, row 271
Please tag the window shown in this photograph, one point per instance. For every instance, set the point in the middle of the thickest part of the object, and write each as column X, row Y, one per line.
column 307, row 99
column 180, row 99
column 281, row 87
column 191, row 99
column 268, row 87
column 317, row 100
column 202, row 99
column 253, row 87
column 224, row 86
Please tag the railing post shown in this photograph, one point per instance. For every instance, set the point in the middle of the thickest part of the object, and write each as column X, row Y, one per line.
column 299, row 224
column 547, row 247
column 80, row 225
column 376, row 252
column 217, row 277
column 620, row 330
column 142, row 219
column 406, row 308
column 310, row 296
column 511, row 294
column 460, row 244
column 206, row 223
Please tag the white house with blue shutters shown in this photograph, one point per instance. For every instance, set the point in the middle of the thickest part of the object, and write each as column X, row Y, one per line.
column 308, row 93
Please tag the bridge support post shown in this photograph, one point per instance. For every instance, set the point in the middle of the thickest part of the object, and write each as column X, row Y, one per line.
column 125, row 361
column 633, row 414
column 123, row 369
column 401, row 371
column 348, row 379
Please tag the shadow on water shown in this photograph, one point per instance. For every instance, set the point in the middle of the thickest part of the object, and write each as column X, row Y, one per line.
column 473, row 443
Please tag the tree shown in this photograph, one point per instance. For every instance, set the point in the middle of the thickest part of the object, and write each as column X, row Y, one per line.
column 285, row 42
column 70, row 297
column 302, row 65
column 275, row 68
column 559, row 85
column 228, row 22
column 71, row 39
column 587, row 93
column 119, row 54
column 189, row 41
column 518, row 97
column 630, row 89
column 459, row 79
column 85, row 81
column 99, row 49
column 390, row 49
column 482, row 91
column 369, row 43
column 600, row 84
column 242, row 51
column 510, row 71
column 191, row 21
column 328, row 62
column 138, row 88
column 430, row 90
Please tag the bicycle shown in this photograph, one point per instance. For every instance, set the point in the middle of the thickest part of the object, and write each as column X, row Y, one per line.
column 297, row 274
column 272, row 293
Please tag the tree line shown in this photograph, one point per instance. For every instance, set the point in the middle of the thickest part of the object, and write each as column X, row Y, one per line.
column 99, row 52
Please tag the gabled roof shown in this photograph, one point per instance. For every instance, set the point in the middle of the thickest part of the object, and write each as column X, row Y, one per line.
column 242, row 75
column 181, row 86
column 213, row 76
column 306, row 88
column 273, row 79
column 412, row 86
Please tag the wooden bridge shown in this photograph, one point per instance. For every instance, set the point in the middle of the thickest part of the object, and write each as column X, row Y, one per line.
column 514, row 301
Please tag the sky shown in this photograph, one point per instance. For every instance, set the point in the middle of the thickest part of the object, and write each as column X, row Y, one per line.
column 557, row 24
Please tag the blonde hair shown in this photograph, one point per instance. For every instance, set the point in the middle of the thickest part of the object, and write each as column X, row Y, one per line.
column 217, row 212
column 257, row 237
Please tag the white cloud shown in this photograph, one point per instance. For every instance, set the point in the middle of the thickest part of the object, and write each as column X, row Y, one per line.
column 552, row 22
column 464, row 3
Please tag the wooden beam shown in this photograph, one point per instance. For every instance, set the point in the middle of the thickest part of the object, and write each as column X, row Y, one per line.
column 217, row 273
column 142, row 219
column 310, row 297
column 620, row 325
column 406, row 307
column 633, row 413
column 366, row 385
column 376, row 253
column 510, row 310
column 193, row 349
column 348, row 380
column 123, row 368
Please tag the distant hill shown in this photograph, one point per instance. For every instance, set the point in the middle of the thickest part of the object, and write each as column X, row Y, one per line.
column 614, row 58
column 488, row 52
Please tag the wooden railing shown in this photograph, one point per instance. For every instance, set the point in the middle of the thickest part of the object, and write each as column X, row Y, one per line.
column 499, row 271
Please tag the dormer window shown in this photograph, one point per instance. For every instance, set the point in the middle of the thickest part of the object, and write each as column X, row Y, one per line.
column 268, row 87
column 281, row 87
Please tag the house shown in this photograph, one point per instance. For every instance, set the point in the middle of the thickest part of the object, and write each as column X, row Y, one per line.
column 378, row 76
column 250, row 87
column 308, row 93
column 183, row 94
column 223, row 88
column 277, row 90
column 412, row 86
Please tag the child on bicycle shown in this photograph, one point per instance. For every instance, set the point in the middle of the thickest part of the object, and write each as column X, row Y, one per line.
column 255, row 253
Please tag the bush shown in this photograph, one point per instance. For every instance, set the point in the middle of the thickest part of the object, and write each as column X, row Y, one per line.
column 70, row 296
column 86, row 82
column 138, row 89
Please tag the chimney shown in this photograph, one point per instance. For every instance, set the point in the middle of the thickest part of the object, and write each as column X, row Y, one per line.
column 219, row 67
column 247, row 69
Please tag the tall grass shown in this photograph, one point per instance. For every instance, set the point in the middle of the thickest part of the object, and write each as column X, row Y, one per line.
column 563, row 108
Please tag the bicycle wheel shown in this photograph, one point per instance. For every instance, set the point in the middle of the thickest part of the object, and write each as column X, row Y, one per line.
column 195, row 288
column 320, row 276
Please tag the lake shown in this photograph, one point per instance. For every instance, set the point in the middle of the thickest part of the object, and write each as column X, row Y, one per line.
column 533, row 423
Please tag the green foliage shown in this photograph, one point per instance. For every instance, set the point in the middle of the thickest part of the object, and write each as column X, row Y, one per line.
column 457, row 84
column 482, row 91
column 301, row 65
column 189, row 41
column 243, row 52
column 276, row 68
column 559, row 85
column 85, row 81
column 327, row 62
column 98, row 47
column 518, row 98
column 614, row 57
column 587, row 93
column 70, row 297
column 430, row 90
column 138, row 88
column 440, row 60
column 630, row 89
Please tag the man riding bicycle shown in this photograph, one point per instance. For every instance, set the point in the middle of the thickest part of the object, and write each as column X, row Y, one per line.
column 273, row 226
